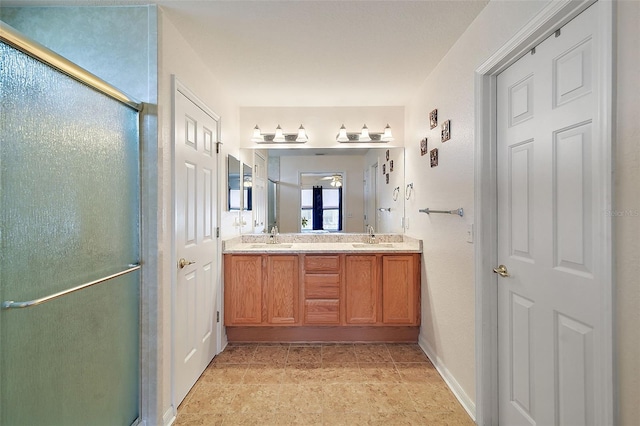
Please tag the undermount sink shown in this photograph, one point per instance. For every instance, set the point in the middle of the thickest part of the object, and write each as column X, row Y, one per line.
column 374, row 245
column 277, row 245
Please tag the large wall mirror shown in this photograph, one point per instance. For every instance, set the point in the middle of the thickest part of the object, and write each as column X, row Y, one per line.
column 233, row 183
column 358, row 187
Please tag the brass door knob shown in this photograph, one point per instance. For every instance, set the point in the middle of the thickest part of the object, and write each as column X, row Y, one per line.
column 184, row 262
column 502, row 271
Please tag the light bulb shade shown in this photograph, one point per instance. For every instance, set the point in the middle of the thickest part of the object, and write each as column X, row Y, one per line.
column 257, row 135
column 387, row 136
column 302, row 135
column 364, row 134
column 279, row 136
column 342, row 135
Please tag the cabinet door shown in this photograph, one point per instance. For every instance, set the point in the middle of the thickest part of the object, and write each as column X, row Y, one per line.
column 282, row 289
column 242, row 289
column 361, row 289
column 399, row 290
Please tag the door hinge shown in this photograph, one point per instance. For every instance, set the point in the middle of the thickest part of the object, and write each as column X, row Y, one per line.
column 218, row 232
column 217, row 316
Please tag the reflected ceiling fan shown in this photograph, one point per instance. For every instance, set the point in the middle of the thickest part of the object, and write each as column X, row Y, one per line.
column 336, row 180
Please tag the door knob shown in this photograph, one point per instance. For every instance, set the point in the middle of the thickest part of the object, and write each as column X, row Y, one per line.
column 184, row 262
column 502, row 271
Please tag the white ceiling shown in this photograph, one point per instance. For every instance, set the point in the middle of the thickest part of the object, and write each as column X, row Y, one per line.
column 318, row 53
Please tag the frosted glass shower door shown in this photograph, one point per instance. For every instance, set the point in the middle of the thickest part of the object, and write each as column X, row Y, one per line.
column 69, row 214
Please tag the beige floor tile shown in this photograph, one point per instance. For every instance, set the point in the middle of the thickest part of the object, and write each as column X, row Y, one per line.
column 407, row 353
column 304, row 354
column 379, row 372
column 303, row 373
column 347, row 419
column 418, row 372
column 432, row 397
column 251, row 419
column 270, row 354
column 340, row 373
column 264, row 374
column 254, row 399
column 448, row 419
column 199, row 420
column 388, row 398
column 372, row 353
column 236, row 354
column 399, row 419
column 300, row 399
column 209, row 399
column 345, row 398
column 307, row 419
column 220, row 373
column 338, row 353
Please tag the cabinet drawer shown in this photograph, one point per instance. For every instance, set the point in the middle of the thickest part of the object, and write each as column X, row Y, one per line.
column 322, row 286
column 322, row 263
column 322, row 312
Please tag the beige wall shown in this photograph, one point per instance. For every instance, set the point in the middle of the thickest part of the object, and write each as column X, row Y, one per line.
column 627, row 202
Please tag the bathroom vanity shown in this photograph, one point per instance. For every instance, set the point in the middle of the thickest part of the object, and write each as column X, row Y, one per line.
column 322, row 288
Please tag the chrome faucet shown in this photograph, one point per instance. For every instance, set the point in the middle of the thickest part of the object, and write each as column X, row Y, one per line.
column 372, row 237
column 273, row 237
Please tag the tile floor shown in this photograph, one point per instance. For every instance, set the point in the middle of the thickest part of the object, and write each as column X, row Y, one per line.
column 321, row 384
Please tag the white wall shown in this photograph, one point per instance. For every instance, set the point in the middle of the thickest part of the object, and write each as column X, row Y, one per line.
column 448, row 295
column 288, row 204
column 448, row 281
column 627, row 201
column 176, row 57
column 387, row 222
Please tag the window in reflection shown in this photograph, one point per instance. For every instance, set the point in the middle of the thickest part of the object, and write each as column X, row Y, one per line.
column 321, row 207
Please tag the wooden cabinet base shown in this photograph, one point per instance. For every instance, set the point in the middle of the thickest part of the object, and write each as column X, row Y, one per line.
column 323, row 334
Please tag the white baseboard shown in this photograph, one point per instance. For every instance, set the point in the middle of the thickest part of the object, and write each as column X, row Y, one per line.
column 460, row 394
column 168, row 418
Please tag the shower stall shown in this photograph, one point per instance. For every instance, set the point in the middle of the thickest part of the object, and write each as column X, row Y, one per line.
column 69, row 242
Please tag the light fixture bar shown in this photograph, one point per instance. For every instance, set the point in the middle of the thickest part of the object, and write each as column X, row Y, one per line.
column 280, row 136
column 364, row 136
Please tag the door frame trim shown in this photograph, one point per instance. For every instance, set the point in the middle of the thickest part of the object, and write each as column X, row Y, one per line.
column 178, row 87
column 552, row 16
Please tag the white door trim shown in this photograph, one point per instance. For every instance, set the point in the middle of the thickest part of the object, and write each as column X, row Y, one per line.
column 553, row 16
column 178, row 87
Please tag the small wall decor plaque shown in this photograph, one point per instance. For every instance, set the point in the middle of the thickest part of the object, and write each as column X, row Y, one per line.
column 423, row 146
column 446, row 130
column 387, row 178
column 434, row 157
column 390, row 166
column 387, row 155
column 433, row 119
column 384, row 169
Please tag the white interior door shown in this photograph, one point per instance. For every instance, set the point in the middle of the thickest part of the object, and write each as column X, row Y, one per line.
column 554, row 325
column 196, row 195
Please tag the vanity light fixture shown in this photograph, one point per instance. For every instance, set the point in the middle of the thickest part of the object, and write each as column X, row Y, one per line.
column 342, row 135
column 280, row 136
column 364, row 135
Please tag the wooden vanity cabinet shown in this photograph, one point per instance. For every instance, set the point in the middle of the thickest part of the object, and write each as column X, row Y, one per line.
column 400, row 289
column 261, row 289
column 325, row 297
column 361, row 289
column 321, row 278
column 243, row 277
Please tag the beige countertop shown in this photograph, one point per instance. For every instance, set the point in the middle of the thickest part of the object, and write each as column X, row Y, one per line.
column 323, row 243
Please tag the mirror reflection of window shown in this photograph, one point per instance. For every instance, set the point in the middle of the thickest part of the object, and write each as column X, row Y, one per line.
column 321, row 202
